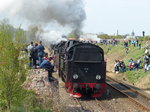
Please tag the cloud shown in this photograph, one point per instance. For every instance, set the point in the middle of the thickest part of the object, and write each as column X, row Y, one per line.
column 67, row 13
column 4, row 4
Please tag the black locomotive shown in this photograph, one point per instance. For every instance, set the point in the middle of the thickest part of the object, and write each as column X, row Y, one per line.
column 82, row 67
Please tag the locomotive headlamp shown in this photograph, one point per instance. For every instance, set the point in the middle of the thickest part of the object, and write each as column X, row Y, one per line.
column 98, row 77
column 75, row 76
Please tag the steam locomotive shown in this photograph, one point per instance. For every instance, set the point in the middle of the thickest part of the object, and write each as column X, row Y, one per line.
column 82, row 67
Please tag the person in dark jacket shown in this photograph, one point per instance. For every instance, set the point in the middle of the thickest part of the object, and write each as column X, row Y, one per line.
column 46, row 64
column 40, row 49
column 35, row 55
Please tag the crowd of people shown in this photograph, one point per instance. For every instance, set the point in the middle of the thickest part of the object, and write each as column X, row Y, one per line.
column 39, row 59
column 139, row 63
column 119, row 66
column 112, row 42
column 134, row 65
column 127, row 43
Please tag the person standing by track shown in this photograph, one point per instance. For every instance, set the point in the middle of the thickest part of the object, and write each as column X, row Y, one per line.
column 30, row 52
column 40, row 49
column 35, row 55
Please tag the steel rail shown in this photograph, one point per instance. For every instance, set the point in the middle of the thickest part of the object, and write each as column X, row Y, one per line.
column 84, row 104
column 79, row 103
column 128, row 90
column 131, row 88
column 99, row 104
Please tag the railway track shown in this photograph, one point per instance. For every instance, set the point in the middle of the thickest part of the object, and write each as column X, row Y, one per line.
column 82, row 108
column 90, row 105
column 134, row 95
column 85, row 105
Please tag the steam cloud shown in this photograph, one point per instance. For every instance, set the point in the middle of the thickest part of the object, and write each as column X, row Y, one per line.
column 36, row 33
column 52, row 37
column 67, row 13
column 89, row 37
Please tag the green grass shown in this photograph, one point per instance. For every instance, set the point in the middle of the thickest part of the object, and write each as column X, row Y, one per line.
column 134, row 53
column 134, row 76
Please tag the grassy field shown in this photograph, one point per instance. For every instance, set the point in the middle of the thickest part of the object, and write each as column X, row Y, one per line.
column 118, row 53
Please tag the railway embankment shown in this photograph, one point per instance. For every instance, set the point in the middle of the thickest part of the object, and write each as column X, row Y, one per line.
column 137, row 78
column 46, row 92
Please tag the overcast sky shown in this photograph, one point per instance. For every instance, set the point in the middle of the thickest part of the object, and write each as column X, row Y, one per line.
column 106, row 16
